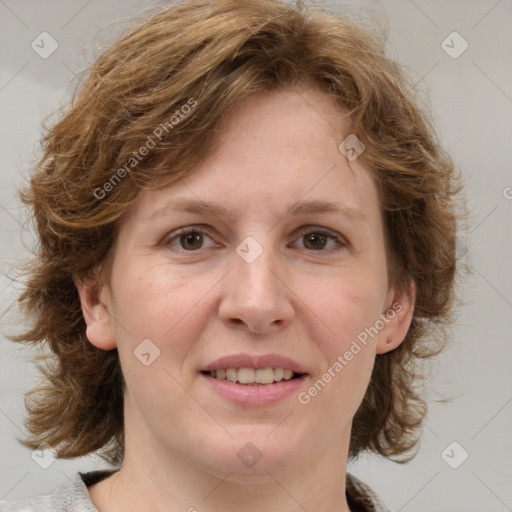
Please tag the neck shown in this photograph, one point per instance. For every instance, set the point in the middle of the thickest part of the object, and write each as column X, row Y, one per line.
column 170, row 482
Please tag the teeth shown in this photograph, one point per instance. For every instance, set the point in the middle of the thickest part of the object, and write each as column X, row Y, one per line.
column 252, row 376
column 246, row 375
column 264, row 375
column 287, row 374
column 232, row 374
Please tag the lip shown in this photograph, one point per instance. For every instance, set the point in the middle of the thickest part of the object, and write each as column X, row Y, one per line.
column 259, row 395
column 256, row 362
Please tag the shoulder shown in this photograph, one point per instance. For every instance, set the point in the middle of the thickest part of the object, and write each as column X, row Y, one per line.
column 362, row 498
column 73, row 497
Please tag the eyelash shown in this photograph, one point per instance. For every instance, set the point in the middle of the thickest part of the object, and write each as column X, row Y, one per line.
column 332, row 235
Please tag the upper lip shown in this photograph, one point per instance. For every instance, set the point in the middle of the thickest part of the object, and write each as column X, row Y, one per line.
column 255, row 361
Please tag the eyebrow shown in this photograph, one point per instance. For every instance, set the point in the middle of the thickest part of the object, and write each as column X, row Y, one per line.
column 299, row 208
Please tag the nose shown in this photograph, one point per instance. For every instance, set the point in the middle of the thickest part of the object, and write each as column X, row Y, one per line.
column 256, row 297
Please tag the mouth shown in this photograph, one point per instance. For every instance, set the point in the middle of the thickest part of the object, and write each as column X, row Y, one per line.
column 255, row 380
column 254, row 377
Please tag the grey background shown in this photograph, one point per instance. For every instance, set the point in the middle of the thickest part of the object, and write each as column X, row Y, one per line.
column 471, row 98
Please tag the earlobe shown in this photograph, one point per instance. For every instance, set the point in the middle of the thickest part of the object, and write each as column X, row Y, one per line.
column 397, row 319
column 95, row 311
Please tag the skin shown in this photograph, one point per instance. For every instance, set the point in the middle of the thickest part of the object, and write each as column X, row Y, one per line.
column 297, row 299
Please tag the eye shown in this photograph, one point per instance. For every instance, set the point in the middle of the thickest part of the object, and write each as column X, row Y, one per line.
column 192, row 239
column 188, row 239
column 321, row 240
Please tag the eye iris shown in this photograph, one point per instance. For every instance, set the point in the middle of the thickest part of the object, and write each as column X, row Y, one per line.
column 194, row 240
column 315, row 241
column 191, row 241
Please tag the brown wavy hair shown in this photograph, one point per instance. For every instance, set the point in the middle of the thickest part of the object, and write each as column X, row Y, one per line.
column 213, row 55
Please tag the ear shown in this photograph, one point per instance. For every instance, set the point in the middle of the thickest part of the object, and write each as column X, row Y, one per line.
column 397, row 318
column 94, row 298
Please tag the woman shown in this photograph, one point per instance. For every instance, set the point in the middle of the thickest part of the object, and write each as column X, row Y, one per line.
column 246, row 240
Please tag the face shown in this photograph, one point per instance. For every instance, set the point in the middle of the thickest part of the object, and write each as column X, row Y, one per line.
column 270, row 255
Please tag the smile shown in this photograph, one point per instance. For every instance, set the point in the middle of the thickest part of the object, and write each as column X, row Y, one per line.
column 253, row 376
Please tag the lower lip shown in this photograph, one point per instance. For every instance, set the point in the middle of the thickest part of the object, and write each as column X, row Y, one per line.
column 256, row 395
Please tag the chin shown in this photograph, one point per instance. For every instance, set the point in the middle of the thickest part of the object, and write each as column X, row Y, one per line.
column 253, row 450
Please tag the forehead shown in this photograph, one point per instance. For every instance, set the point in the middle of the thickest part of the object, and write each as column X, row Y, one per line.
column 275, row 151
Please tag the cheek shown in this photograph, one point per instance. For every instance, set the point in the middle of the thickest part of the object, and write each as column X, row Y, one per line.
column 346, row 306
column 348, row 352
column 155, row 301
column 161, row 313
column 339, row 390
column 170, row 309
